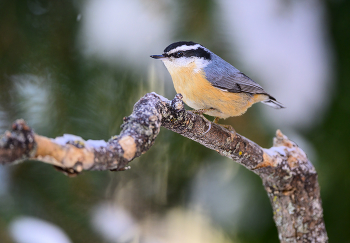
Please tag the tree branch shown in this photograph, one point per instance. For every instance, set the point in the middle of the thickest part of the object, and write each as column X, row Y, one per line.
column 288, row 176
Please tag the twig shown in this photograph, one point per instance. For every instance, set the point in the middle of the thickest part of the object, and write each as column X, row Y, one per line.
column 288, row 177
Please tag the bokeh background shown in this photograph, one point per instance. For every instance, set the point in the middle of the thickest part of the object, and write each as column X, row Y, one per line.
column 79, row 66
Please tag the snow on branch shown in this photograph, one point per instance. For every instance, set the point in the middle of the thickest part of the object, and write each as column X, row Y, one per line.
column 288, row 176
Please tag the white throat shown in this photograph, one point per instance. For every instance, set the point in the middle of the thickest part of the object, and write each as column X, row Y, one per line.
column 183, row 62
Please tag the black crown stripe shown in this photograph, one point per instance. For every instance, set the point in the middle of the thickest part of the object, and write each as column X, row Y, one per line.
column 177, row 44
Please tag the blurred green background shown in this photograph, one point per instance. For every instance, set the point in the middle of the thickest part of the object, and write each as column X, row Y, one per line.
column 79, row 66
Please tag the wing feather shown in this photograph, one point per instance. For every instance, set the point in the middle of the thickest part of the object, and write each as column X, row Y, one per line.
column 237, row 83
column 224, row 76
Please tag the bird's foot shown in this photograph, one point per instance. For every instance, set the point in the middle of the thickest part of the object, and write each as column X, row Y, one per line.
column 228, row 127
column 201, row 112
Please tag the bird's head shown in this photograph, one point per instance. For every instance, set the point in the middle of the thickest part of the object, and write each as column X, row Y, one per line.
column 183, row 53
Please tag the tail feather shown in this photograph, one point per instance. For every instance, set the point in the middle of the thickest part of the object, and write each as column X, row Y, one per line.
column 273, row 103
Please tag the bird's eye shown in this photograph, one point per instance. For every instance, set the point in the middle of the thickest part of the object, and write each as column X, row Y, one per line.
column 178, row 54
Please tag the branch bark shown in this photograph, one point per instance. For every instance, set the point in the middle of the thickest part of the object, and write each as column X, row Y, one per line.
column 288, row 176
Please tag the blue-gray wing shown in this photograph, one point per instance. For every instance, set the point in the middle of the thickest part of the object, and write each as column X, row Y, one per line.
column 224, row 76
column 237, row 83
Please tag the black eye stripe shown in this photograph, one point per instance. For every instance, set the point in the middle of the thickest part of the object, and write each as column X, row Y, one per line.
column 199, row 52
column 175, row 54
column 178, row 54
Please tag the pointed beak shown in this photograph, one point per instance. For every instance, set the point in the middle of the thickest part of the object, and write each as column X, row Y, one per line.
column 157, row 56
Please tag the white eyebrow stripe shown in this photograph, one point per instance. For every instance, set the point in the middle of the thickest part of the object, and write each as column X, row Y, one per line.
column 185, row 48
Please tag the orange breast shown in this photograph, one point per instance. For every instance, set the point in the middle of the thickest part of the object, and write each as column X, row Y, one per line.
column 198, row 93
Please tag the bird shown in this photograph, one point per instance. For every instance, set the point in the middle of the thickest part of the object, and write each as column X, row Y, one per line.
column 209, row 84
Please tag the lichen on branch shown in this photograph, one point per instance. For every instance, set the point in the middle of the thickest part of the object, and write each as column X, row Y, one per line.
column 287, row 175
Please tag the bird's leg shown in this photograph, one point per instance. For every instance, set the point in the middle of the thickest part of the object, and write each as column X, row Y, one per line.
column 228, row 127
column 216, row 120
column 201, row 112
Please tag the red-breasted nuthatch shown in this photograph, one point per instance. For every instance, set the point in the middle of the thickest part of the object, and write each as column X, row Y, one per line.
column 209, row 84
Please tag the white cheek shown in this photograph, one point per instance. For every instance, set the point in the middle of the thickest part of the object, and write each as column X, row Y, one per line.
column 200, row 64
column 168, row 64
column 185, row 62
column 177, row 62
